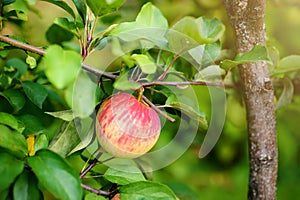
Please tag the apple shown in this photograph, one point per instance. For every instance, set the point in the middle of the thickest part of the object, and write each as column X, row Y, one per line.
column 126, row 127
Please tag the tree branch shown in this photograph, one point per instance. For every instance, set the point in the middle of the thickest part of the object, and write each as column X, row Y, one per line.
column 247, row 19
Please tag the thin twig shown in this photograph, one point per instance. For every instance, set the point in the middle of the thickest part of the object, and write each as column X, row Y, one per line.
column 85, row 171
column 157, row 109
column 41, row 51
column 167, row 83
column 99, row 192
column 162, row 77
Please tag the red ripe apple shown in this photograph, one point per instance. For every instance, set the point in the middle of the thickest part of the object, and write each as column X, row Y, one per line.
column 125, row 127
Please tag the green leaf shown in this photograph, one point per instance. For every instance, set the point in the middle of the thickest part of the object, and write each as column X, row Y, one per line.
column 10, row 169
column 124, row 83
column 11, row 121
column 123, row 177
column 17, row 64
column 57, row 34
column 212, row 73
column 81, row 8
column 67, row 25
column 287, row 64
column 55, row 174
column 286, row 95
column 15, row 98
column 66, row 115
column 145, row 63
column 146, row 190
column 84, row 95
column 7, row 2
column 26, row 187
column 12, row 141
column 182, row 191
column 201, row 30
column 103, row 7
column 256, row 54
column 33, row 124
column 189, row 110
column 66, row 139
column 93, row 196
column 86, row 133
column 150, row 25
column 63, row 5
column 205, row 54
column 41, row 142
column 35, row 92
column 61, row 66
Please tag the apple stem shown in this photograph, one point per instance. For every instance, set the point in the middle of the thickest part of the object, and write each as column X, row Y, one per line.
column 140, row 95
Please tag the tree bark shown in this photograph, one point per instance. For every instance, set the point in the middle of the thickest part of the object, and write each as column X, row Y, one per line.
column 247, row 20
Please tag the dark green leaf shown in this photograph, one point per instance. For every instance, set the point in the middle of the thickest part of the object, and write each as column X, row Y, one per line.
column 33, row 124
column 17, row 64
column 146, row 190
column 81, row 8
column 26, row 187
column 9, row 170
column 287, row 64
column 15, row 98
column 147, row 65
column 55, row 174
column 63, row 5
column 66, row 140
column 61, row 66
column 6, row 2
column 123, row 177
column 11, row 121
column 35, row 92
column 57, row 34
column 12, row 141
column 66, row 24
column 286, row 95
column 103, row 7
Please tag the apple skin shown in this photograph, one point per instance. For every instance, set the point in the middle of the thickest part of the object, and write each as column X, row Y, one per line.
column 125, row 127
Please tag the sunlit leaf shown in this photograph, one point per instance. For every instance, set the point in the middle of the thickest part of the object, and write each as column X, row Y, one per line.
column 66, row 115
column 66, row 139
column 150, row 26
column 10, row 169
column 35, row 92
column 146, row 190
column 55, row 174
column 147, row 65
column 84, row 95
column 61, row 66
column 287, row 64
column 124, row 83
column 286, row 95
column 211, row 73
column 123, row 177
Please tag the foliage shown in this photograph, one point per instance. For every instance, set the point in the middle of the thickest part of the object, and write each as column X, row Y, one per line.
column 48, row 103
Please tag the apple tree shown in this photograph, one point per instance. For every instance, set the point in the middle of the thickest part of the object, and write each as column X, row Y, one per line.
column 54, row 144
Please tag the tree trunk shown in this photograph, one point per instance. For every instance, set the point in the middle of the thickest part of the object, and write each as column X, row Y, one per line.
column 247, row 20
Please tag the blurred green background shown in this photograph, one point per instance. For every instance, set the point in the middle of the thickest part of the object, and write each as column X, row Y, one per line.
column 223, row 174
